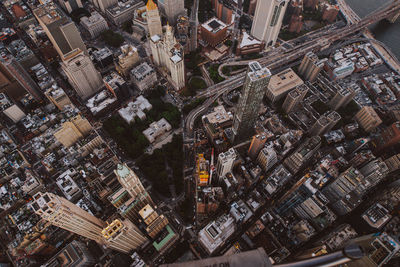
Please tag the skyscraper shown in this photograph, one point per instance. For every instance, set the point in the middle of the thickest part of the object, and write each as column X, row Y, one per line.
column 153, row 19
column 267, row 158
column 294, row 98
column 60, row 212
column 70, row 5
column 256, row 80
column 257, row 143
column 268, row 20
column 311, row 66
column 61, row 31
column 225, row 162
column 172, row 9
column 104, row 4
column 82, row 74
column 130, row 181
column 14, row 78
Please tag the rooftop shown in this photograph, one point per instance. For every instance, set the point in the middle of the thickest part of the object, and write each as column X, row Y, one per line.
column 214, row 25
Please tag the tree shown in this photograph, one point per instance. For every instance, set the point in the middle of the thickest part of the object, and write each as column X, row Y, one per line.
column 127, row 26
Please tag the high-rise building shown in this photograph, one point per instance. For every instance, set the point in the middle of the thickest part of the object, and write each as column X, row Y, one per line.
column 123, row 236
column 58, row 97
column 294, row 98
column 130, row 181
column 153, row 19
column 257, row 79
column 62, row 213
column 172, row 9
column 223, row 10
column 368, row 119
column 155, row 223
column 61, row 31
column 311, row 66
column 330, row 12
column 257, row 143
column 71, row 131
column 168, row 53
column 127, row 59
column 15, row 81
column 225, row 162
column 95, row 24
column 74, row 254
column 281, row 84
column 82, row 74
column 252, row 7
column 325, row 123
column 213, row 32
column 267, row 158
column 104, row 4
column 302, row 154
column 389, row 137
column 70, row 5
column 268, row 20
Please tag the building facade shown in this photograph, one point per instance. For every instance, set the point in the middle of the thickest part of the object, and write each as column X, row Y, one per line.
column 257, row 78
column 95, row 24
column 172, row 9
column 368, row 119
column 225, row 162
column 268, row 20
column 153, row 19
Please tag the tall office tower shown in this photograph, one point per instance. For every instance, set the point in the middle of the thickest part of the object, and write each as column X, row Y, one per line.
column 14, row 80
column 257, row 79
column 64, row 214
column 153, row 19
column 130, row 181
column 74, row 254
column 155, row 223
column 294, row 98
column 123, row 236
column 225, row 162
column 388, row 138
column 103, row 4
column 82, row 74
column 268, row 20
column 267, row 158
column 61, row 31
column 325, row 123
column 302, row 154
column 379, row 249
column 168, row 53
column 172, row 9
column 257, row 143
column 70, row 5
column 311, row 66
column 368, row 119
column 342, row 97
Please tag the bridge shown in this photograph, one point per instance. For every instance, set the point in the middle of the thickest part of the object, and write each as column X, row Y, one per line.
column 279, row 57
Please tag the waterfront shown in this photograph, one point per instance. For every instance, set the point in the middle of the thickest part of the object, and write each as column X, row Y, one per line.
column 383, row 31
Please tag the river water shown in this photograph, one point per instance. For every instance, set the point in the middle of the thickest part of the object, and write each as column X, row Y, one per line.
column 384, row 31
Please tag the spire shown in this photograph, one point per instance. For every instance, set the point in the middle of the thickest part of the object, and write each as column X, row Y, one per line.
column 151, row 5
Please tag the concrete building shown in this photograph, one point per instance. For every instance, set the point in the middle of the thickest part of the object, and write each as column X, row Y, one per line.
column 252, row 7
column 267, row 158
column 172, row 9
column 144, row 76
column 135, row 109
column 101, row 103
column 122, row 11
column 14, row 77
column 311, row 66
column 67, row 185
column 128, row 58
column 156, row 129
column 116, row 85
column 70, row 5
column 302, row 154
column 75, row 253
column 82, row 74
column 268, row 20
column 223, row 10
column 153, row 19
column 71, row 131
column 295, row 97
column 325, row 123
column 257, row 143
column 123, row 236
column 330, row 12
column 296, row 23
column 225, row 162
column 167, row 53
column 257, row 78
column 281, row 84
column 62, row 32
column 102, row 58
column 368, row 119
column 388, row 138
column 13, row 112
column 103, row 4
column 216, row 233
column 213, row 32
column 130, row 181
column 342, row 97
column 248, row 44
column 95, row 24
column 155, row 223
column 58, row 97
